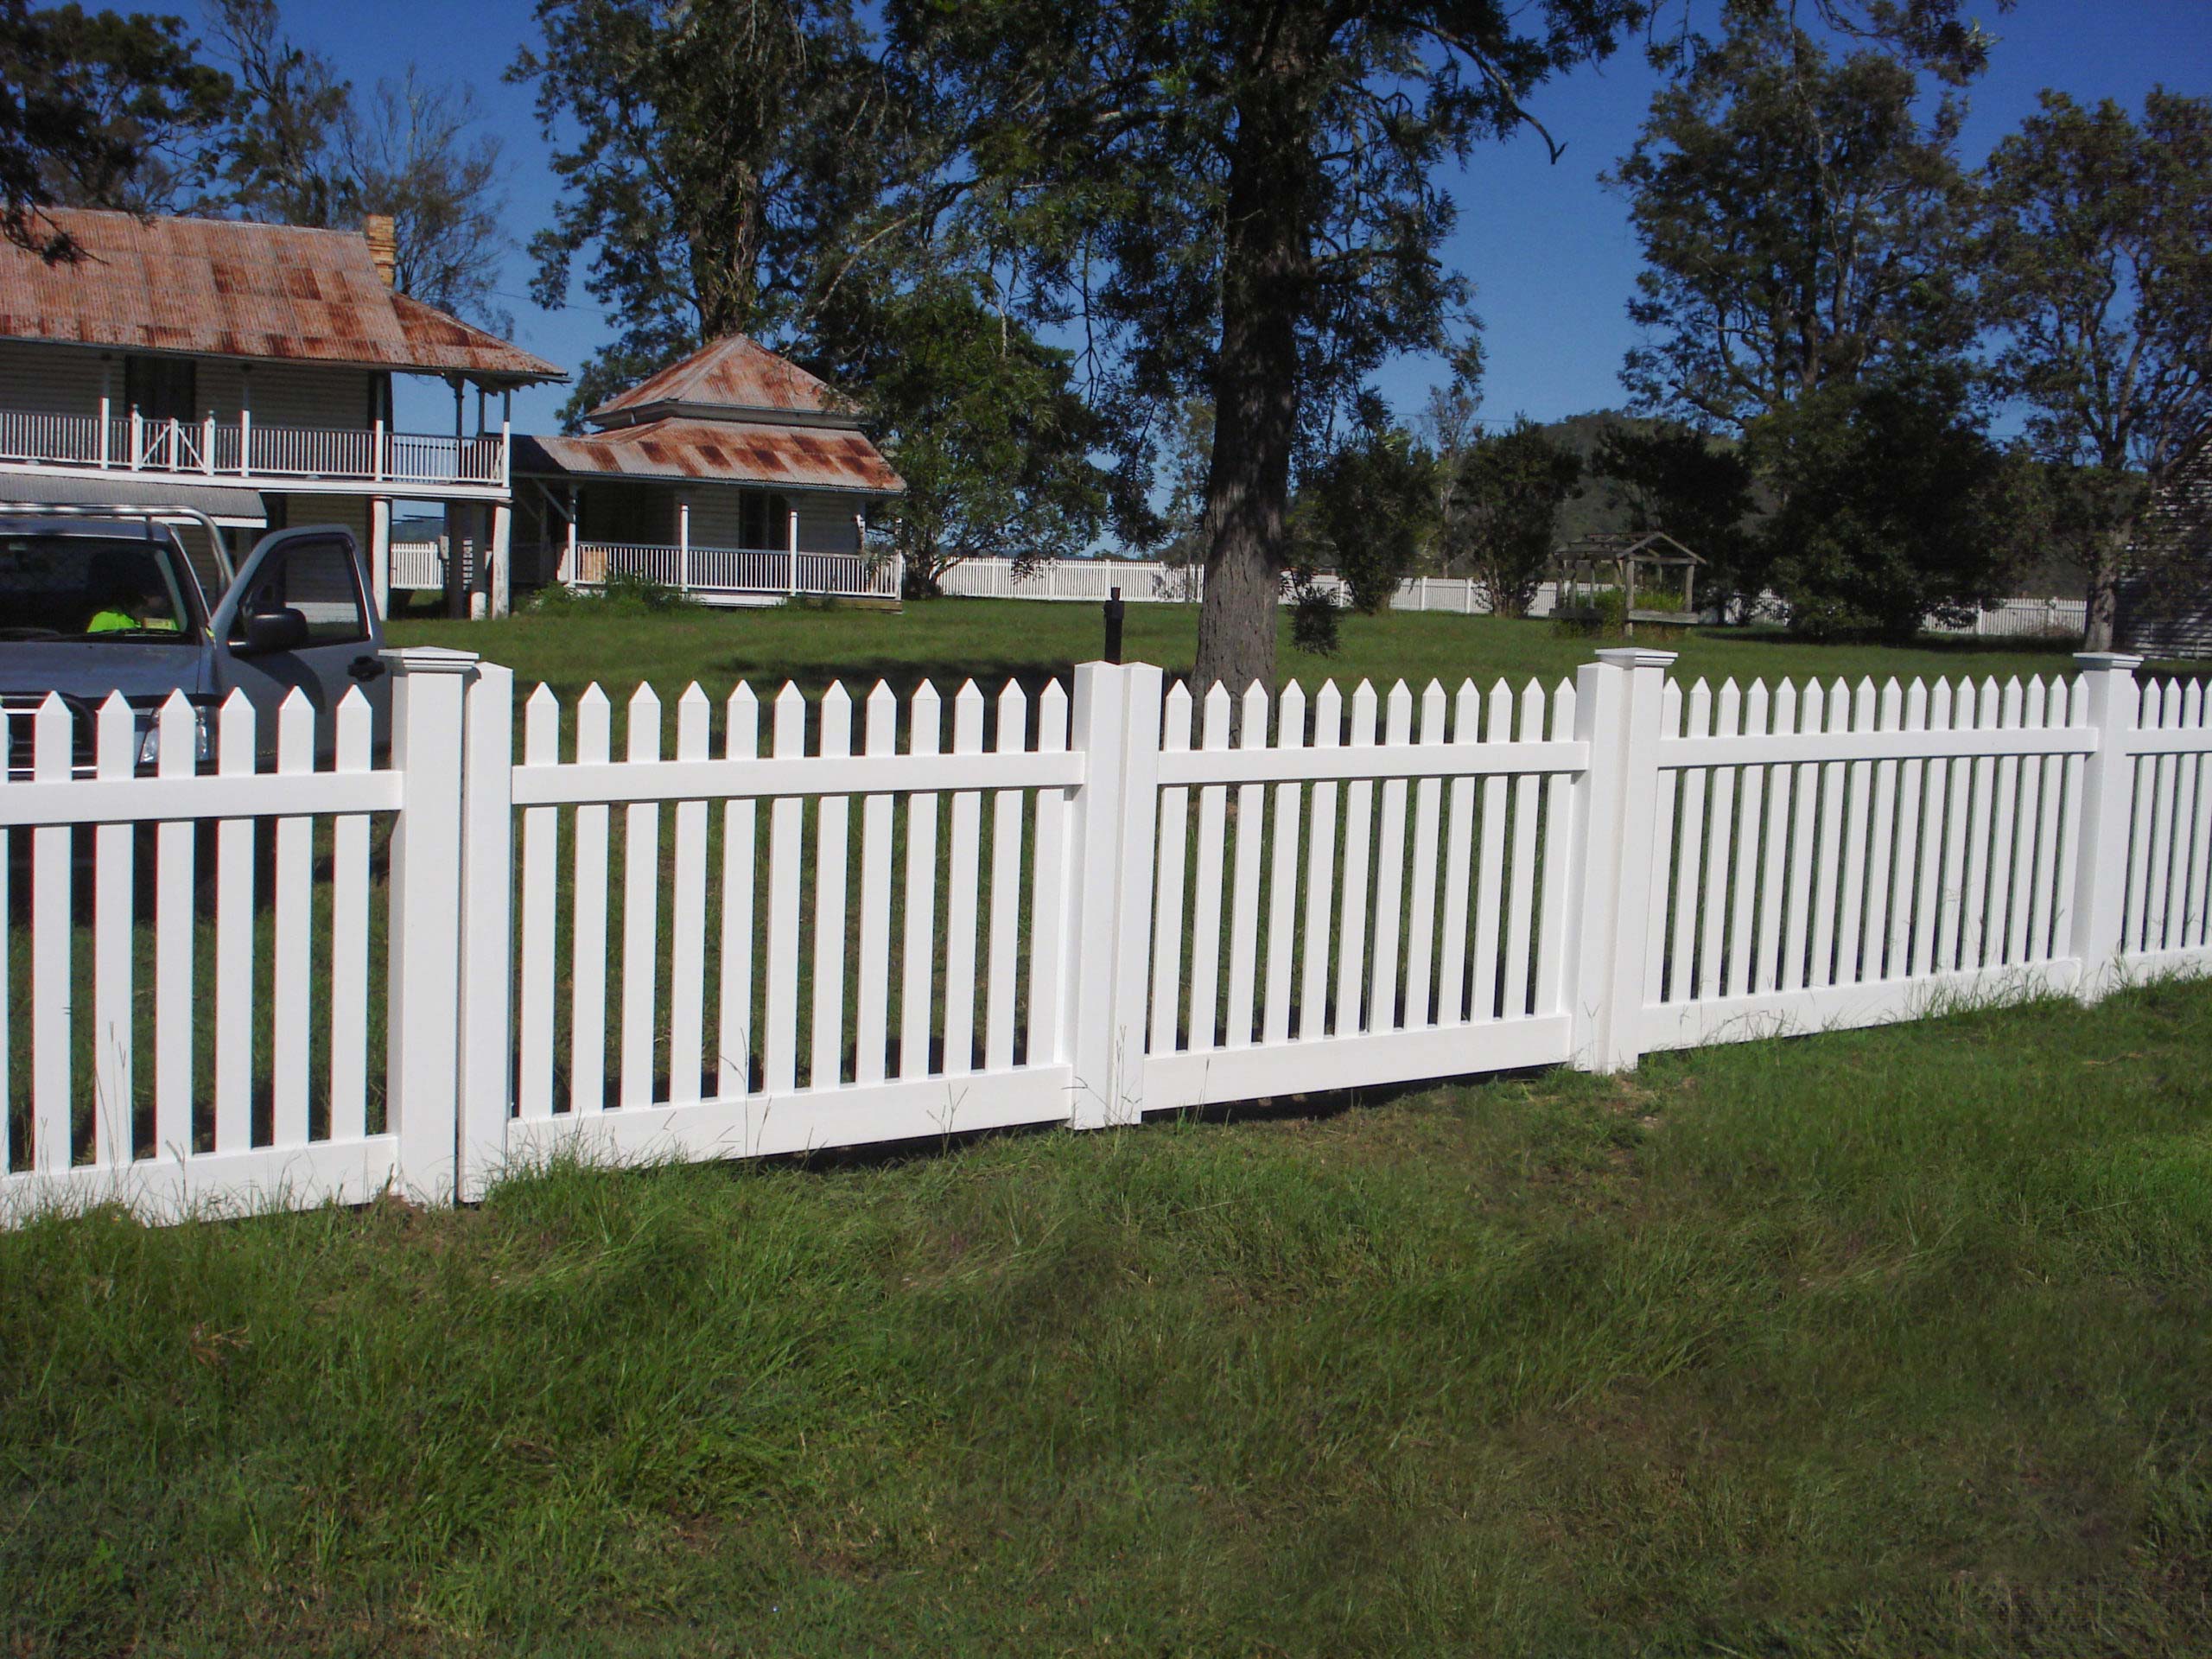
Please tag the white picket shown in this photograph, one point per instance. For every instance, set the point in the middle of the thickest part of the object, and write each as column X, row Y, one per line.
column 687, row 913
column 918, row 949
column 1799, row 801
column 234, row 974
column 1489, row 879
column 290, row 976
column 541, row 829
column 1390, row 872
column 1002, row 972
column 1205, row 926
column 872, row 998
column 1458, row 872
column 1744, row 904
column 2162, row 820
column 1781, row 794
column 1868, row 942
column 1911, row 787
column 786, row 822
column 1420, row 906
column 1952, row 890
column 116, row 755
column 1282, row 875
column 1981, row 827
column 1521, row 900
column 173, row 1004
column 1244, row 906
column 640, row 911
column 1662, row 853
column 1690, row 852
column 826, row 1055
column 961, row 880
column 733, row 1033
column 349, row 932
column 1551, row 992
column 1351, row 938
column 1833, row 869
column 1048, row 887
column 1168, row 886
column 2051, row 773
column 2025, row 882
column 51, row 758
column 1320, row 875
column 587, row 928
column 1720, row 847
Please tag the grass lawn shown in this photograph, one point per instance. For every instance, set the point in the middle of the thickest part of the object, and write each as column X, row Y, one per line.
column 991, row 640
column 1891, row 1342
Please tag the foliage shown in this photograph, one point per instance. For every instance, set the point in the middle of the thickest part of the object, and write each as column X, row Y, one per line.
column 304, row 150
column 1313, row 612
column 1603, row 616
column 625, row 593
column 1506, row 498
column 2094, row 273
column 1373, row 503
column 1801, row 227
column 712, row 160
column 980, row 418
column 97, row 109
column 1669, row 476
column 1893, row 506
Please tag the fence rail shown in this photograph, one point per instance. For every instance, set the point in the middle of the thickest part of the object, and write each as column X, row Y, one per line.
column 775, row 926
column 251, row 449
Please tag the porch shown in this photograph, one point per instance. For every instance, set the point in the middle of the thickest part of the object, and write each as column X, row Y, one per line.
column 258, row 455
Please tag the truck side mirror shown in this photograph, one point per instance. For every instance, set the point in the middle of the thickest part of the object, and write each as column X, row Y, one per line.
column 279, row 629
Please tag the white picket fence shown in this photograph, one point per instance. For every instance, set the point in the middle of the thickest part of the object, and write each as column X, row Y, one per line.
column 813, row 924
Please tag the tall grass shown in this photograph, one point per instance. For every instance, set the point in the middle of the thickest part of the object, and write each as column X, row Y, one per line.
column 1882, row 1342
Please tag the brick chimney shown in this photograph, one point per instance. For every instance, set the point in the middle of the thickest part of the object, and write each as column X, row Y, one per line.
column 383, row 245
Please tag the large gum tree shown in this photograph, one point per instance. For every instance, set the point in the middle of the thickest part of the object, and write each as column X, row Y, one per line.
column 1241, row 201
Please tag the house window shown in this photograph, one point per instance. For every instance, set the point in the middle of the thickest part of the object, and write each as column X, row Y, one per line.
column 161, row 388
column 763, row 520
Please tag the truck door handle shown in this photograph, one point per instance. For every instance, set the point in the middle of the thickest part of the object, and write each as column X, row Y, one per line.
column 364, row 669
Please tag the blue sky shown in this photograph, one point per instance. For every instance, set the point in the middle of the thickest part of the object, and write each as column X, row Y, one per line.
column 1549, row 249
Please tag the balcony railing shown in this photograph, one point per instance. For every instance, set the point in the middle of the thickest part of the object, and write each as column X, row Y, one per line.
column 252, row 449
column 711, row 571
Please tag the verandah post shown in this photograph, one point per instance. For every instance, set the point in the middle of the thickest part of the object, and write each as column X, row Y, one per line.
column 1616, row 701
column 2113, row 699
column 423, row 1008
column 487, row 1011
column 1116, row 727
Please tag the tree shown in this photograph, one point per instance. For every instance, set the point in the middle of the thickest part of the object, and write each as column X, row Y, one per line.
column 1801, row 227
column 97, row 109
column 713, row 161
column 2095, row 273
column 1669, row 476
column 983, row 424
column 1893, row 506
column 1372, row 503
column 1506, row 498
column 282, row 160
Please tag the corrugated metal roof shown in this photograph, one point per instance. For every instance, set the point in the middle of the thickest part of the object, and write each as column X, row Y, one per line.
column 730, row 452
column 230, row 287
column 734, row 373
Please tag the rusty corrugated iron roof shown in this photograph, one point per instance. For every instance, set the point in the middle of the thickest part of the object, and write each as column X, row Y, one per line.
column 230, row 288
column 725, row 452
column 734, row 373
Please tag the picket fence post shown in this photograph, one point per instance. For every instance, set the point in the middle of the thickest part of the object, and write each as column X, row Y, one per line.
column 429, row 713
column 1115, row 726
column 1617, row 702
column 486, row 1007
column 2113, row 699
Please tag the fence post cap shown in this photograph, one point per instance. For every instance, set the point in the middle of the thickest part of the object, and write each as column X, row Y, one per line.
column 428, row 660
column 1635, row 656
column 2107, row 659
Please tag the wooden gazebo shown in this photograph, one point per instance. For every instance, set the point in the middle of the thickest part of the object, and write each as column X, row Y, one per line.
column 1649, row 562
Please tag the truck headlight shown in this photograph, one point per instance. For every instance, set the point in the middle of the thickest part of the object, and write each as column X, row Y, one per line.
column 149, row 736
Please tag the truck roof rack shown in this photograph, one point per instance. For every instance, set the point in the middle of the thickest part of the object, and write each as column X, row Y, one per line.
column 153, row 513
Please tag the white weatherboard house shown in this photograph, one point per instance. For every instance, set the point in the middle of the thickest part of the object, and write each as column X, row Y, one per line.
column 245, row 370
column 733, row 474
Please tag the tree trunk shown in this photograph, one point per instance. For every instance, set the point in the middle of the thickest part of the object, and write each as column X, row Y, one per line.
column 1264, row 270
column 2102, row 609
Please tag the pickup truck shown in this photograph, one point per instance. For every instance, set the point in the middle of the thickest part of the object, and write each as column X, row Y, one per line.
column 99, row 601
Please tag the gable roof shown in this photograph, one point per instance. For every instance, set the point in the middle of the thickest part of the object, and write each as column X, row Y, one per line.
column 719, row 452
column 732, row 376
column 231, row 288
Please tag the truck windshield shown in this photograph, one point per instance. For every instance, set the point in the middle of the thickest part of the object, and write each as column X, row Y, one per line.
column 89, row 588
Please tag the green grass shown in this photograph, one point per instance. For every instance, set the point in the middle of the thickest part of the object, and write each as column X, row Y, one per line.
column 992, row 641
column 1889, row 1342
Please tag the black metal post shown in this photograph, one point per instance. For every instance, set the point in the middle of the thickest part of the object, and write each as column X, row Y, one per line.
column 1114, row 627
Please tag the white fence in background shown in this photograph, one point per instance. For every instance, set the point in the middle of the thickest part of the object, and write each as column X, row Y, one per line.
column 418, row 567
column 710, row 573
column 1093, row 580
column 811, row 925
